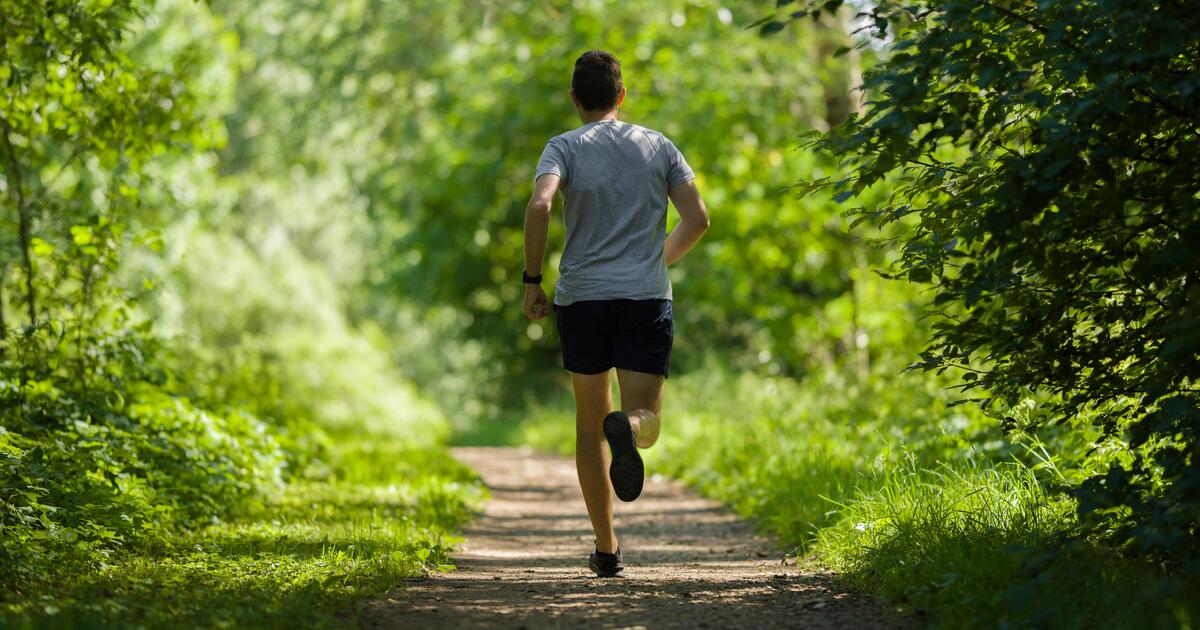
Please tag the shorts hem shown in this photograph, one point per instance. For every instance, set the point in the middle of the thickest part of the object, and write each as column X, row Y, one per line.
column 588, row 372
column 644, row 370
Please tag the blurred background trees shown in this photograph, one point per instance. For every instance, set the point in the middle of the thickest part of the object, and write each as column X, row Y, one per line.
column 405, row 154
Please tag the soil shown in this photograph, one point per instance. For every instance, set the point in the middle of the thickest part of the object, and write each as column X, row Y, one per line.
column 689, row 562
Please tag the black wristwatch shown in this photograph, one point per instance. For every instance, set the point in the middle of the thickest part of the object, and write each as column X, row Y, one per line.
column 528, row 279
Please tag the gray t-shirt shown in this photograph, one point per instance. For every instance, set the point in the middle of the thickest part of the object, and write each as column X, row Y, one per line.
column 615, row 178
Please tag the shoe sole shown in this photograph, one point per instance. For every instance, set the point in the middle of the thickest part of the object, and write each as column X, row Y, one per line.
column 627, row 472
column 607, row 574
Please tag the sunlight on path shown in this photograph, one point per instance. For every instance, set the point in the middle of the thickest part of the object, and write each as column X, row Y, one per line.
column 689, row 564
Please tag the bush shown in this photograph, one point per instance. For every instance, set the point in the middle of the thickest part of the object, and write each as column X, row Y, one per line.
column 95, row 456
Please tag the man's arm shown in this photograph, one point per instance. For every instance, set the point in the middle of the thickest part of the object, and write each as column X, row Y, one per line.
column 537, row 223
column 693, row 221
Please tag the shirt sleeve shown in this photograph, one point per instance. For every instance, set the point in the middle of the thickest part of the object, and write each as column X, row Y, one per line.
column 553, row 160
column 678, row 171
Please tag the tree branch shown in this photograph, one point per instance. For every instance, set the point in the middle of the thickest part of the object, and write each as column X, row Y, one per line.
column 1154, row 98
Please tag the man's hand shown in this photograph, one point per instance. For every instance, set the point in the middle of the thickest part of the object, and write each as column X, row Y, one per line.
column 536, row 305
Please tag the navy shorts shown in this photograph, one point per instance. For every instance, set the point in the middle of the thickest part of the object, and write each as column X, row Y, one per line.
column 598, row 335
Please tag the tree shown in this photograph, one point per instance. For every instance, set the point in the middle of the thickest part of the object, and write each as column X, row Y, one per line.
column 95, row 452
column 1045, row 160
column 79, row 121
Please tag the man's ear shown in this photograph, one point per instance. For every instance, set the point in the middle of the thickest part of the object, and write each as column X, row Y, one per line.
column 621, row 96
column 575, row 99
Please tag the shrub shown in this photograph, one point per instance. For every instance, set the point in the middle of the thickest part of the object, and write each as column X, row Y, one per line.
column 95, row 456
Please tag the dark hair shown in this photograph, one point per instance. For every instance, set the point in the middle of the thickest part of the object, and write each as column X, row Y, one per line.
column 597, row 80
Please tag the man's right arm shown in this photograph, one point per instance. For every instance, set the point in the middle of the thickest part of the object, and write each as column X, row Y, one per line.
column 693, row 221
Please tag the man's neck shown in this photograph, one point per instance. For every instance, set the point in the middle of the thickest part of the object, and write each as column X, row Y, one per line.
column 588, row 116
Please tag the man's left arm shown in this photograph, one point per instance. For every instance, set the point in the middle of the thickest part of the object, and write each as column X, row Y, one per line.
column 537, row 224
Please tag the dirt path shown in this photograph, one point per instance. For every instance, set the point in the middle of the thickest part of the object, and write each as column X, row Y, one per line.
column 689, row 564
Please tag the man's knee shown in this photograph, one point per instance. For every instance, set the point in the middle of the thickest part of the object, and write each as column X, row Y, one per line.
column 647, row 424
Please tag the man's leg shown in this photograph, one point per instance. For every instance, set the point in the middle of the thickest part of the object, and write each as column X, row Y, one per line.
column 641, row 399
column 593, row 401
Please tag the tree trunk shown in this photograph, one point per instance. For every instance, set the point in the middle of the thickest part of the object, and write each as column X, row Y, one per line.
column 3, row 323
column 857, row 97
column 14, row 172
column 840, row 102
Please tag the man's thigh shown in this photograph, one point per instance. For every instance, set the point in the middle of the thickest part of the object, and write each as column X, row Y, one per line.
column 643, row 333
column 640, row 390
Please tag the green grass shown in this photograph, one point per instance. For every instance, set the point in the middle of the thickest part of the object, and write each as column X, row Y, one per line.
column 923, row 503
column 376, row 513
column 984, row 546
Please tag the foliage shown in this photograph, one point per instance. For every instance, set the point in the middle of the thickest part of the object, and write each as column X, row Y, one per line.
column 79, row 122
column 269, row 336
column 1045, row 160
column 236, row 238
column 97, row 455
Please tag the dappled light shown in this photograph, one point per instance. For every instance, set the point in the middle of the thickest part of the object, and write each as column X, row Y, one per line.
column 914, row 284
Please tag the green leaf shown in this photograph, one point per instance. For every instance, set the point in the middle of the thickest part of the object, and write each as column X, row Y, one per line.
column 81, row 234
column 919, row 274
column 41, row 247
column 771, row 27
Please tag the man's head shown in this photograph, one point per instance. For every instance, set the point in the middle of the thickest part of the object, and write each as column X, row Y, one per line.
column 596, row 84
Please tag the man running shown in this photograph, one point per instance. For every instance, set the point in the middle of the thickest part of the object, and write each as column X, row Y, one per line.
column 612, row 302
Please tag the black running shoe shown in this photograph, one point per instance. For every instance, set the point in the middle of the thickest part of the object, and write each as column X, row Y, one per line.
column 606, row 564
column 626, row 471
